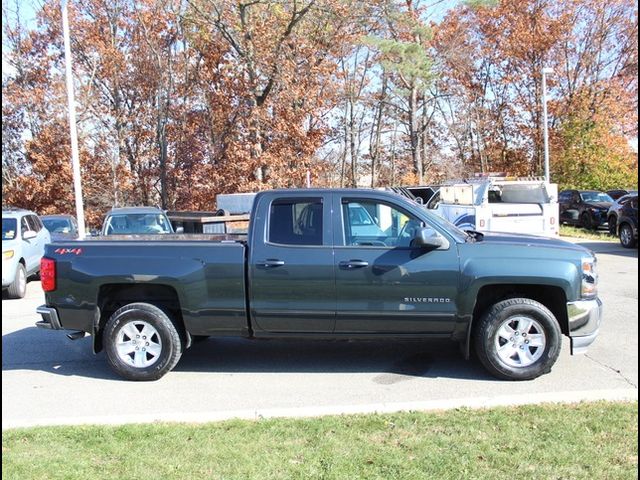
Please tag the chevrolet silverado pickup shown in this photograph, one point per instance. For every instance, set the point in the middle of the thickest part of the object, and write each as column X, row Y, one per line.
column 326, row 264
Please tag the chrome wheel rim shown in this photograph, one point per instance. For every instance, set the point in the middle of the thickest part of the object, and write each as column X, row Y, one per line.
column 625, row 235
column 138, row 344
column 520, row 342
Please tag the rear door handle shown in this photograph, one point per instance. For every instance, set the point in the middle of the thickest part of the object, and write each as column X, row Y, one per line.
column 270, row 263
column 351, row 264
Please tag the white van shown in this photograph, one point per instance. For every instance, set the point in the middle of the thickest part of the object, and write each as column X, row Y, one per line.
column 502, row 204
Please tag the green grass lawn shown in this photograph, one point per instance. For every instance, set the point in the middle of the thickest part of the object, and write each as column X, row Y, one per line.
column 584, row 441
column 578, row 232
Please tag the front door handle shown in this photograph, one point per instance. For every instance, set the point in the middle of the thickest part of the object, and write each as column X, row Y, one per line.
column 352, row 264
column 270, row 263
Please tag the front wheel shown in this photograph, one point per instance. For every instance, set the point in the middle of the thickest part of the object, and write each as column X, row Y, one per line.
column 141, row 342
column 518, row 339
column 586, row 221
column 627, row 240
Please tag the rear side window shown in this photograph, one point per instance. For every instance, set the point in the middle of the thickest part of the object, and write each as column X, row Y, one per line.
column 296, row 221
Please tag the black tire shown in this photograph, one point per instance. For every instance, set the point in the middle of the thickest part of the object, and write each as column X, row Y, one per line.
column 586, row 221
column 627, row 240
column 165, row 335
column 18, row 288
column 487, row 339
column 612, row 221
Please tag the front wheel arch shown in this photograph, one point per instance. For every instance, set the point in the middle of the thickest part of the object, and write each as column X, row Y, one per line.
column 509, row 355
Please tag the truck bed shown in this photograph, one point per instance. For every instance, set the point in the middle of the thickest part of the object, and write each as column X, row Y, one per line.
column 201, row 276
column 190, row 237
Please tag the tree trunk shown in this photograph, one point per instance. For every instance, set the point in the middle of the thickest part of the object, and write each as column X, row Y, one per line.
column 414, row 133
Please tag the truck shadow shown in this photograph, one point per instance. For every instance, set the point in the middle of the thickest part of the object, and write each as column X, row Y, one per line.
column 40, row 350
column 393, row 361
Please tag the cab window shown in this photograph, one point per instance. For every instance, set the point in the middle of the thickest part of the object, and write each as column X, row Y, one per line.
column 373, row 223
column 296, row 221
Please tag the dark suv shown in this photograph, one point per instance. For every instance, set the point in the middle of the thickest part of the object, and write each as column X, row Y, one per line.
column 584, row 208
column 627, row 227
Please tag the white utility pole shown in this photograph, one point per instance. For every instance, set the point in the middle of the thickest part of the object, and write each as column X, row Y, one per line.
column 545, row 71
column 75, row 159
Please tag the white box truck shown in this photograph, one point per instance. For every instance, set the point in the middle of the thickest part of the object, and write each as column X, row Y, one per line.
column 502, row 204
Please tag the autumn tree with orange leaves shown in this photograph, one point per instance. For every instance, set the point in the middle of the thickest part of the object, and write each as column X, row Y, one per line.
column 179, row 101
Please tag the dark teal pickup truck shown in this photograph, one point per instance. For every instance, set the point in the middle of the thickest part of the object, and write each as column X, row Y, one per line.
column 330, row 264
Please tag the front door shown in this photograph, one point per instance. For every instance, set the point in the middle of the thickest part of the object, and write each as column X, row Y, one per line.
column 383, row 285
column 292, row 282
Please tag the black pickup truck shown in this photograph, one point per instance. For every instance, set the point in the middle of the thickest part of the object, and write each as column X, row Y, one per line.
column 329, row 264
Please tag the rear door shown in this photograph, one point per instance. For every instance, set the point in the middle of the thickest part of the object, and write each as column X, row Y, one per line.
column 291, row 276
column 383, row 285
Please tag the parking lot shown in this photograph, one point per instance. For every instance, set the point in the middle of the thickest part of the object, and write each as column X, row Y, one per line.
column 48, row 379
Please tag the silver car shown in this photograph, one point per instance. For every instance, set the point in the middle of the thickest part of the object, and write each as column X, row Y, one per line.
column 23, row 240
column 136, row 221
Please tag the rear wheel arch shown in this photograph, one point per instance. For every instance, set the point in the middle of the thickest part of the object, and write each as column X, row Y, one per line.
column 112, row 297
column 142, row 342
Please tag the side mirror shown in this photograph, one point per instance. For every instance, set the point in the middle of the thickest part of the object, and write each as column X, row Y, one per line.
column 180, row 230
column 426, row 238
column 419, row 200
column 29, row 234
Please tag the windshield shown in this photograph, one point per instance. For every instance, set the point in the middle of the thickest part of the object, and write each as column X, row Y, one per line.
column 57, row 225
column 9, row 227
column 595, row 197
column 137, row 223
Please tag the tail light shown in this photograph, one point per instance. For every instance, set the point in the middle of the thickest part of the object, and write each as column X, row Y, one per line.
column 481, row 224
column 48, row 274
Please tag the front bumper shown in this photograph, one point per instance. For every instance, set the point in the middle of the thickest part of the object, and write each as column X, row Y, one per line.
column 50, row 318
column 585, row 317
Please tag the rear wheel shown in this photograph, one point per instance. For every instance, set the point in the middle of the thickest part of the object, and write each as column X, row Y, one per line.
column 518, row 339
column 142, row 343
column 627, row 240
column 18, row 287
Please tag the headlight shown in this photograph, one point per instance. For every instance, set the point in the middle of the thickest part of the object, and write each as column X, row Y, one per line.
column 7, row 254
column 589, row 277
